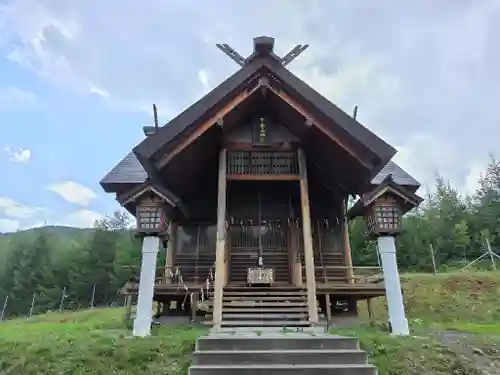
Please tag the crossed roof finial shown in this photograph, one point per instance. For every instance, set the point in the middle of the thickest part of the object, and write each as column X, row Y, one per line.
column 262, row 46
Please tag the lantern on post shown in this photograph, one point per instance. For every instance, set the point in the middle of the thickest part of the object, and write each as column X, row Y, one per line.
column 384, row 207
column 383, row 216
column 153, row 206
column 151, row 215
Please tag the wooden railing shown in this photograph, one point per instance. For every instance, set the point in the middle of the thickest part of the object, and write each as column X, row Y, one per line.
column 262, row 163
column 338, row 275
column 169, row 276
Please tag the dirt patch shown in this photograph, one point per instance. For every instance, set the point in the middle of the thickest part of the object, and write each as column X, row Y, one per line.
column 484, row 359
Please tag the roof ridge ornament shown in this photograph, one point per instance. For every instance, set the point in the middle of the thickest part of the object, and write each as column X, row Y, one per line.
column 262, row 46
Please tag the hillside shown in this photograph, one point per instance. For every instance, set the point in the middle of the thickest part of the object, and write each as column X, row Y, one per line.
column 97, row 341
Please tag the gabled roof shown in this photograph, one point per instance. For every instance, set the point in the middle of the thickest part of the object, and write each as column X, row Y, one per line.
column 150, row 145
column 399, row 175
column 128, row 171
column 184, row 123
column 410, row 199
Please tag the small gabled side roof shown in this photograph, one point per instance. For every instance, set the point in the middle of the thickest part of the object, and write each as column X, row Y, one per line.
column 399, row 176
column 128, row 171
column 411, row 199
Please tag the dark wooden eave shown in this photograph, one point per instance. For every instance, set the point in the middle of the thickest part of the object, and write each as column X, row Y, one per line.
column 410, row 199
column 185, row 124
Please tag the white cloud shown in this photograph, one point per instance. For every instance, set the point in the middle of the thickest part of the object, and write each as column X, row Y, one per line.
column 14, row 97
column 12, row 208
column 23, row 155
column 8, row 225
column 425, row 76
column 203, row 75
column 84, row 218
column 73, row 192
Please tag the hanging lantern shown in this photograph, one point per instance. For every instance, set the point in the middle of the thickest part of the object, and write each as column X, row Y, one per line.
column 151, row 215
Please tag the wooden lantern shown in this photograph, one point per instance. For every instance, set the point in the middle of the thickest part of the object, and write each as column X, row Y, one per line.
column 383, row 216
column 151, row 215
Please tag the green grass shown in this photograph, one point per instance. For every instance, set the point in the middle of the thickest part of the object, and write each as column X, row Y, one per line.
column 448, row 301
column 98, row 342
column 91, row 342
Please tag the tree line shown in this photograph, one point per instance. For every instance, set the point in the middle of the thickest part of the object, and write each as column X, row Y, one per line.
column 90, row 266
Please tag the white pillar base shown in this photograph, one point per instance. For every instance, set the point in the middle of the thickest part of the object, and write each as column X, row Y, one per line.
column 144, row 308
column 395, row 304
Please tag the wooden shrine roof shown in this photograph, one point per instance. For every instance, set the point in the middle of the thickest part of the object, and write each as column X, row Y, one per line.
column 335, row 120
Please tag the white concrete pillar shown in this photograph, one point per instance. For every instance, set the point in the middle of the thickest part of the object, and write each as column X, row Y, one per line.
column 397, row 317
column 144, row 308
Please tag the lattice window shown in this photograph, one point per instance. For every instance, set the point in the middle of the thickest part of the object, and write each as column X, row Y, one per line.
column 262, row 163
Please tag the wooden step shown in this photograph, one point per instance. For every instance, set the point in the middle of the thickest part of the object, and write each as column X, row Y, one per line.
column 255, row 304
column 256, row 309
column 263, row 323
column 261, row 293
column 262, row 317
column 265, row 298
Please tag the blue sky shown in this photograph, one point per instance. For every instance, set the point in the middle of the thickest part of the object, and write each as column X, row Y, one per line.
column 77, row 80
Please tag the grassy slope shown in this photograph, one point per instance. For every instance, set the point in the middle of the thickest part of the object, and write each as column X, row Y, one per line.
column 97, row 342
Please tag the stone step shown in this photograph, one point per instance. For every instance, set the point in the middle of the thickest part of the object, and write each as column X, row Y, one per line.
column 258, row 315
column 283, row 369
column 276, row 341
column 276, row 357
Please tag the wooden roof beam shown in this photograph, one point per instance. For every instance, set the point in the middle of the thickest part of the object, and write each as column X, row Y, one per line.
column 315, row 122
column 217, row 118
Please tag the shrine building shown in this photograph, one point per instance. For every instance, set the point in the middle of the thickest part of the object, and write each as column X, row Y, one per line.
column 247, row 192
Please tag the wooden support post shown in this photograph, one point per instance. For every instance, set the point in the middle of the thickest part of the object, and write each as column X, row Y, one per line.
column 128, row 307
column 369, row 306
column 194, row 307
column 347, row 245
column 158, row 309
column 171, row 244
column 328, row 310
column 308, row 243
column 220, row 247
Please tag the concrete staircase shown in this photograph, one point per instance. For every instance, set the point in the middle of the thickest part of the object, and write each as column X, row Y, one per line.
column 277, row 353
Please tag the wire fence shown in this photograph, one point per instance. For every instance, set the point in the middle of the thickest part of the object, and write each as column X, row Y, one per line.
column 99, row 295
column 36, row 303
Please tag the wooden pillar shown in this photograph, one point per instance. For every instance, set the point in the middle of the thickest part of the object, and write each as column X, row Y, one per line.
column 347, row 245
column 171, row 244
column 227, row 257
column 220, row 247
column 308, row 243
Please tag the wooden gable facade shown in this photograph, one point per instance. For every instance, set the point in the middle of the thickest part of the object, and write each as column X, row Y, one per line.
column 257, row 173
